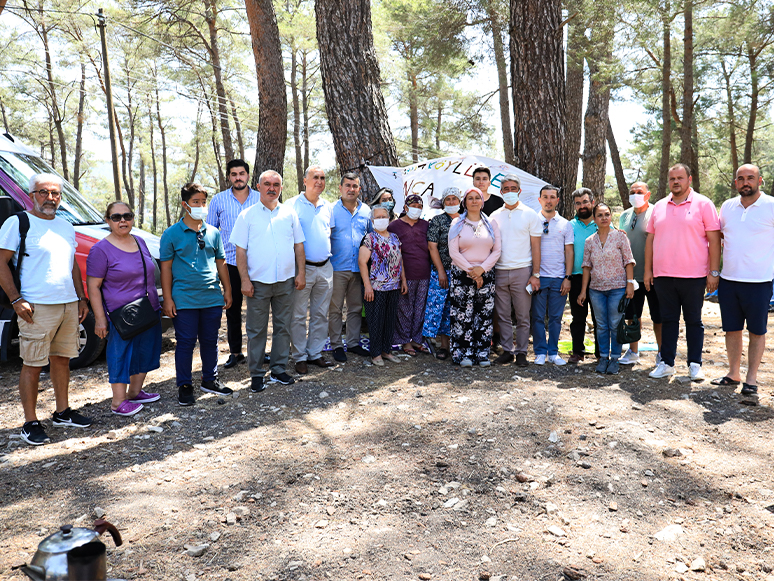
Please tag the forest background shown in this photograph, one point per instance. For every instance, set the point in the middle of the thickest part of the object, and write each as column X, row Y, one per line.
column 198, row 82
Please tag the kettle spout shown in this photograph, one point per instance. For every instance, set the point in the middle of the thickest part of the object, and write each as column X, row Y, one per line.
column 33, row 572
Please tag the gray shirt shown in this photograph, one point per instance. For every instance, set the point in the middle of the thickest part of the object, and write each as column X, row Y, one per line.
column 637, row 235
column 552, row 245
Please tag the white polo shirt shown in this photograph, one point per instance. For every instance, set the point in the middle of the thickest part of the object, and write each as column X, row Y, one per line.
column 268, row 237
column 748, row 239
column 516, row 228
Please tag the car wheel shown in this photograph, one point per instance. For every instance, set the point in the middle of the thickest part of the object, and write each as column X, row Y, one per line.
column 90, row 345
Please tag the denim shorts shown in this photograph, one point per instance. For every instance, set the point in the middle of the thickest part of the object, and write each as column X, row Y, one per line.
column 744, row 301
column 139, row 354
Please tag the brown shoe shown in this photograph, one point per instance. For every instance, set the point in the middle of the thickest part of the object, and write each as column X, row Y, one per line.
column 320, row 362
column 302, row 368
column 575, row 358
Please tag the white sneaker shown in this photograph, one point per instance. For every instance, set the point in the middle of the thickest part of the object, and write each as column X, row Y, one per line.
column 630, row 358
column 540, row 359
column 697, row 373
column 662, row 370
column 484, row 363
column 556, row 360
column 466, row 363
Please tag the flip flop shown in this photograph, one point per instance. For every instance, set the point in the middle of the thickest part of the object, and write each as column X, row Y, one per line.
column 409, row 351
column 442, row 354
column 422, row 349
column 724, row 381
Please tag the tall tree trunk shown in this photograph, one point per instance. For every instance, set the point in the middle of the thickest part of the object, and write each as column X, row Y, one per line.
column 122, row 146
column 731, row 118
column 296, row 116
column 357, row 116
column 141, row 193
column 414, row 117
column 615, row 157
column 195, row 168
column 163, row 159
column 666, row 103
column 79, row 130
column 695, row 157
column 502, row 81
column 211, row 15
column 51, row 138
column 686, row 130
column 537, row 78
column 576, row 48
column 597, row 108
column 438, row 120
column 305, row 104
column 219, row 164
column 151, row 122
column 238, row 128
column 127, row 161
column 754, row 94
column 56, row 115
column 272, row 97
column 2, row 109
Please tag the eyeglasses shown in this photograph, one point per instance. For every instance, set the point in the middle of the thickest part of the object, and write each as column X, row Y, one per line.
column 128, row 217
column 46, row 193
column 634, row 222
column 200, row 239
column 545, row 227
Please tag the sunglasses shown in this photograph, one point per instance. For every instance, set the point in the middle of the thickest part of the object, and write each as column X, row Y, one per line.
column 200, row 240
column 634, row 222
column 128, row 217
column 545, row 227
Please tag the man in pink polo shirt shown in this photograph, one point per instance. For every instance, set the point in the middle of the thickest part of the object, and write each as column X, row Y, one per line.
column 682, row 257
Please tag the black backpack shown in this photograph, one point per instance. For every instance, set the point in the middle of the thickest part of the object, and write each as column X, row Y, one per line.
column 24, row 226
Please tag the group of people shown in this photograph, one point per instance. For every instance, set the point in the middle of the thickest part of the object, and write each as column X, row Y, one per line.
column 483, row 271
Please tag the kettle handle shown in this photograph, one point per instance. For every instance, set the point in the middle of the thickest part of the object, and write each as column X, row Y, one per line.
column 101, row 525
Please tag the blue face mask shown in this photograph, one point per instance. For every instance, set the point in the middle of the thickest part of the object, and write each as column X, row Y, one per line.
column 388, row 205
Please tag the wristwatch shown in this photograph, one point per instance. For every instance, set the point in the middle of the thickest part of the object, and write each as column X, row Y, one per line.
column 714, row 273
column 536, row 274
column 567, row 277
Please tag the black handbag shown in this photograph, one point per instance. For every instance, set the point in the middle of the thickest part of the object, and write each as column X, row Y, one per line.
column 627, row 332
column 139, row 315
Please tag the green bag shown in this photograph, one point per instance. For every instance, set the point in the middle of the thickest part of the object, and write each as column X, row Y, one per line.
column 627, row 332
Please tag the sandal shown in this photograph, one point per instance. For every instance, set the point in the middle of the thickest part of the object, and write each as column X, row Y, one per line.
column 442, row 354
column 748, row 389
column 410, row 351
column 422, row 349
column 724, row 381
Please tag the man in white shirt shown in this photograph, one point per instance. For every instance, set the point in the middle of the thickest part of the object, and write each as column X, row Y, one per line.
column 316, row 216
column 269, row 252
column 50, row 304
column 518, row 267
column 747, row 227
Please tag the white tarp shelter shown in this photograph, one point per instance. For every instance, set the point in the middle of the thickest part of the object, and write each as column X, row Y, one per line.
column 432, row 177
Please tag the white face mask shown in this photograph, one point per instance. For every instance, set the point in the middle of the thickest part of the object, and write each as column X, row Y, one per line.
column 197, row 213
column 452, row 209
column 380, row 224
column 637, row 200
column 414, row 213
column 511, row 198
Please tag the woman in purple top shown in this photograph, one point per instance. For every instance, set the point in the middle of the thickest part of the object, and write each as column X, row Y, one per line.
column 412, row 232
column 114, row 276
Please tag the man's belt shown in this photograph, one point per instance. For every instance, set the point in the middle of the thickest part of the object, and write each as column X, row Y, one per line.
column 323, row 263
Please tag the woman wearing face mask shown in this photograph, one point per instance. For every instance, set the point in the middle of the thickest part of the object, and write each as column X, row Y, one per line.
column 193, row 267
column 437, row 312
column 383, row 283
column 474, row 247
column 412, row 232
column 385, row 199
column 116, row 276
column 608, row 270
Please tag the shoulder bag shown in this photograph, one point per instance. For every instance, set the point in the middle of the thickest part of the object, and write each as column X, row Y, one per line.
column 138, row 316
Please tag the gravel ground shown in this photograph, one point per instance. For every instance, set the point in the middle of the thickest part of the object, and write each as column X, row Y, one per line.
column 418, row 470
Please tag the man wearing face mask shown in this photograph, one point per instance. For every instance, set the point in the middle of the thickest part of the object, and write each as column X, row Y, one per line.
column 583, row 226
column 412, row 232
column 518, row 266
column 634, row 222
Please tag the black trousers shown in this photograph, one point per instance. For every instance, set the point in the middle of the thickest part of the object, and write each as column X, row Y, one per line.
column 381, row 314
column 234, row 312
column 686, row 295
column 579, row 314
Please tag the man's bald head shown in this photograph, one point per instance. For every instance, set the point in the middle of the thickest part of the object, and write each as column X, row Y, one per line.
column 748, row 180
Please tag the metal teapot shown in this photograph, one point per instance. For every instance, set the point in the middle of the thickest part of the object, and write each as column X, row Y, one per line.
column 50, row 560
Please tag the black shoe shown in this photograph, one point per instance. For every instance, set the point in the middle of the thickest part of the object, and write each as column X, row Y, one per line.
column 34, row 434
column 748, row 389
column 185, row 395
column 320, row 362
column 521, row 360
column 339, row 355
column 282, row 378
column 216, row 386
column 506, row 357
column 358, row 350
column 233, row 360
column 256, row 384
column 70, row 419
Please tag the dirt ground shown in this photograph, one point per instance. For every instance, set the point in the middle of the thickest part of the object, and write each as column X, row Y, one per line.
column 420, row 470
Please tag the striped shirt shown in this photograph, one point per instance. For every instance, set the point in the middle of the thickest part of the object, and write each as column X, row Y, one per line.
column 222, row 213
column 552, row 244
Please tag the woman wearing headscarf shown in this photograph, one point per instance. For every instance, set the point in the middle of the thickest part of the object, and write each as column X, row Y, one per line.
column 412, row 232
column 437, row 311
column 385, row 199
column 474, row 247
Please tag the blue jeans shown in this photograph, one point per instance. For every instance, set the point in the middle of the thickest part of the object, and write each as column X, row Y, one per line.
column 605, row 305
column 191, row 324
column 549, row 298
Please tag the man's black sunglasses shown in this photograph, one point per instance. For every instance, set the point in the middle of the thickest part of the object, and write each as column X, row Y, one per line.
column 200, row 239
column 545, row 227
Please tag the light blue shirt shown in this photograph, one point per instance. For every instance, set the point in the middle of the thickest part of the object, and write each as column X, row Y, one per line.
column 222, row 212
column 347, row 232
column 581, row 232
column 316, row 224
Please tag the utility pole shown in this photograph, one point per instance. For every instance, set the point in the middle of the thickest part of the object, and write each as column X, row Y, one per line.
column 111, row 112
